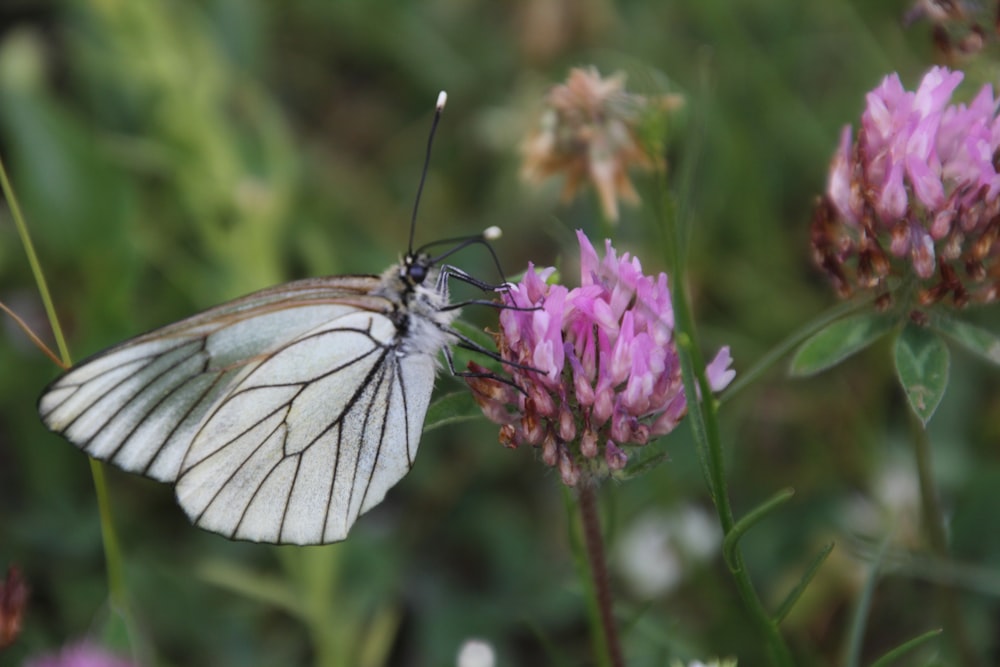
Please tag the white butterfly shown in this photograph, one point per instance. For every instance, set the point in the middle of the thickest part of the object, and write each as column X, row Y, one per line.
column 281, row 416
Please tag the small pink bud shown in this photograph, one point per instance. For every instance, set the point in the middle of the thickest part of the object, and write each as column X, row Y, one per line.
column 550, row 450
column 567, row 424
column 588, row 444
column 568, row 470
column 923, row 256
column 508, row 436
column 614, row 456
column 604, row 403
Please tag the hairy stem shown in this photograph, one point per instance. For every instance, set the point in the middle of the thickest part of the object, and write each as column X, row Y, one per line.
column 703, row 417
column 599, row 572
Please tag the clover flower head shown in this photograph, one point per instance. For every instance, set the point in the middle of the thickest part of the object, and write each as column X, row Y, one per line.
column 916, row 195
column 589, row 132
column 597, row 365
column 84, row 654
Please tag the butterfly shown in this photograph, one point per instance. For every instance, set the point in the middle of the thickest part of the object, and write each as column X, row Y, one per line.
column 280, row 416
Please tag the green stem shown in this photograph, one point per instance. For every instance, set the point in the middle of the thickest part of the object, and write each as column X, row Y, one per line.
column 109, row 539
column 36, row 267
column 902, row 649
column 856, row 634
column 112, row 553
column 703, row 417
column 582, row 564
column 934, row 524
column 608, row 641
column 318, row 571
column 693, row 372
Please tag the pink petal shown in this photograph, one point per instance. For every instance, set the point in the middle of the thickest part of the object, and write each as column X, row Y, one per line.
column 719, row 372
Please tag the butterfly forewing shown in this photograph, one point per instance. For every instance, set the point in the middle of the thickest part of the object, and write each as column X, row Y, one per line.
column 281, row 416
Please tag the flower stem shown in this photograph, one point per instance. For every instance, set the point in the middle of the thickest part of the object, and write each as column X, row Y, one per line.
column 36, row 266
column 709, row 444
column 703, row 418
column 112, row 553
column 599, row 573
column 934, row 524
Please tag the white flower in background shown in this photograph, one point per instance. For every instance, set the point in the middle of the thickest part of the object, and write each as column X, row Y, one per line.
column 476, row 653
column 726, row 662
column 647, row 559
column 897, row 489
column 697, row 532
column 892, row 503
column 656, row 549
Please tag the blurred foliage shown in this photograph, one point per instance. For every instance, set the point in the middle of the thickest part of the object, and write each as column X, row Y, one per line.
column 174, row 154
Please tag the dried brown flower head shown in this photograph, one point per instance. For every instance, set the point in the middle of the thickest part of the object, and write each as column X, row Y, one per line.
column 589, row 132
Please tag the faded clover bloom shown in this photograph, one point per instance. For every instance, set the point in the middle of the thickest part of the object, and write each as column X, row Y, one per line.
column 589, row 132
column 916, row 196
column 13, row 601
column 957, row 31
column 606, row 371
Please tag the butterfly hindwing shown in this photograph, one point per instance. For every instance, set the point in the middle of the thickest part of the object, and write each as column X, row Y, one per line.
column 311, row 438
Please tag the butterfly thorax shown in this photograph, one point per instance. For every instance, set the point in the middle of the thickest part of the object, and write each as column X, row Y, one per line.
column 418, row 299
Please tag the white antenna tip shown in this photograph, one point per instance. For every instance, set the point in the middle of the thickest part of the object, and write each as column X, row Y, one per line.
column 492, row 233
column 442, row 98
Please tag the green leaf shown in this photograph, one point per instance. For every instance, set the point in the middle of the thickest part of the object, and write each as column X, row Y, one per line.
column 922, row 366
column 752, row 518
column 454, row 407
column 475, row 334
column 800, row 588
column 856, row 633
column 119, row 632
column 838, row 341
column 906, row 647
column 981, row 342
column 252, row 584
column 640, row 468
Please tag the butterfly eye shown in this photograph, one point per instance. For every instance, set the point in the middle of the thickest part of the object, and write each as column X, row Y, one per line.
column 417, row 273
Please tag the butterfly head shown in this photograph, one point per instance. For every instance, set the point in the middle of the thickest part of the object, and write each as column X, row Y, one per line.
column 415, row 268
column 413, row 282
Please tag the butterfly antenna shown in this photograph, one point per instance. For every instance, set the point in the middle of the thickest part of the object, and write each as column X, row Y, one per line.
column 438, row 108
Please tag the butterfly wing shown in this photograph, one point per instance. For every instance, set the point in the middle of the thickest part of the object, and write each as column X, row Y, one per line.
column 310, row 438
column 281, row 416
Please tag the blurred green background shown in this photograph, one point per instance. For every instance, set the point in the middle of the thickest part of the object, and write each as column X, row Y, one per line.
column 170, row 155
